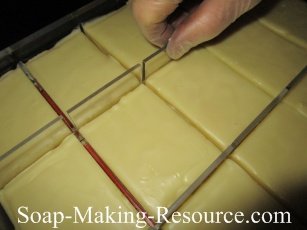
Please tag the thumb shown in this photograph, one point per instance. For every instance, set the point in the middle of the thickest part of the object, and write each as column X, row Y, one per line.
column 205, row 23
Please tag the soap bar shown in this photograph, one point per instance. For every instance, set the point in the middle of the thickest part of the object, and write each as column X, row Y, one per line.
column 288, row 19
column 276, row 154
column 23, row 112
column 64, row 178
column 261, row 55
column 154, row 152
column 210, row 94
column 119, row 35
column 231, row 189
column 74, row 69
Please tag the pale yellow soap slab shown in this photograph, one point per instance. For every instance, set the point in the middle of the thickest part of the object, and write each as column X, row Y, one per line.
column 119, row 35
column 261, row 55
column 288, row 19
column 74, row 69
column 23, row 112
column 153, row 151
column 276, row 154
column 210, row 94
column 65, row 178
column 231, row 189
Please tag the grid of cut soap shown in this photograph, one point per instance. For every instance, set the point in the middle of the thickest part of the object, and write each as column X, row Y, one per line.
column 138, row 89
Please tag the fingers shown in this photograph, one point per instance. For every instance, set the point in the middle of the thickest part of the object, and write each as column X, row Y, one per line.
column 201, row 24
column 206, row 22
column 151, row 17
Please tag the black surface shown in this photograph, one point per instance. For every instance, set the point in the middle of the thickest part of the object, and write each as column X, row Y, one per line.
column 20, row 18
column 5, row 223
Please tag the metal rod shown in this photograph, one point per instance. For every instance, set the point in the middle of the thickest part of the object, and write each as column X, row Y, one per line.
column 151, row 56
column 143, row 63
column 143, row 77
column 230, row 149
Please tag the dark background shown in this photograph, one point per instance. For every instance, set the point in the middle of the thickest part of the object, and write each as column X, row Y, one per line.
column 20, row 18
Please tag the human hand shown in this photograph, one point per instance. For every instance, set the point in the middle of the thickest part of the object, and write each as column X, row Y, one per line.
column 196, row 26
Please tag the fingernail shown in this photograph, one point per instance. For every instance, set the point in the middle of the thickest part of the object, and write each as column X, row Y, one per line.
column 176, row 51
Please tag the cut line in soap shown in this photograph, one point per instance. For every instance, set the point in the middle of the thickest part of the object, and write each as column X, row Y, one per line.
column 230, row 149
